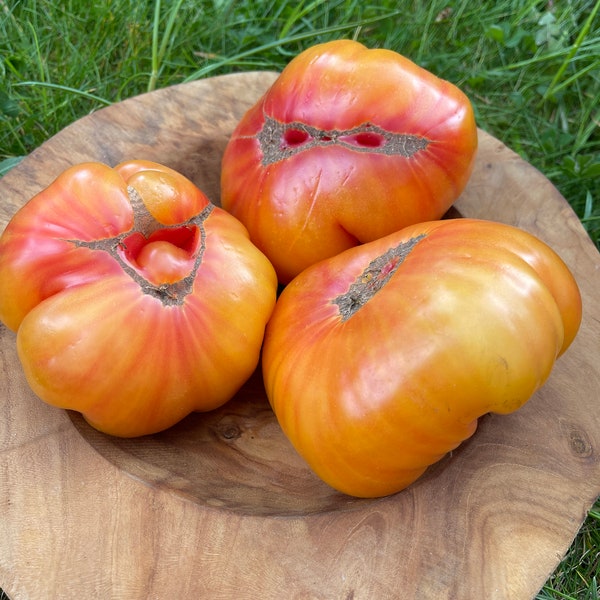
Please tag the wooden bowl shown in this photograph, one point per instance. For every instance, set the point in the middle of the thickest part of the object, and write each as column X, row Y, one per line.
column 220, row 506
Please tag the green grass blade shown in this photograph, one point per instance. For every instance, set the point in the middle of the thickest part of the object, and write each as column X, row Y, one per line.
column 551, row 90
column 279, row 42
column 63, row 88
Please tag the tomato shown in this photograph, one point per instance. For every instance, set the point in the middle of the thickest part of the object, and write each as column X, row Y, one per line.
column 348, row 145
column 135, row 300
column 379, row 361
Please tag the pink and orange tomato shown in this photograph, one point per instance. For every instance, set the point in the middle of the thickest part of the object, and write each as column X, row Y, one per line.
column 348, row 145
column 135, row 300
column 379, row 361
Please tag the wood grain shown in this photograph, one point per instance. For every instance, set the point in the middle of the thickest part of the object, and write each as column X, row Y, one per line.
column 220, row 506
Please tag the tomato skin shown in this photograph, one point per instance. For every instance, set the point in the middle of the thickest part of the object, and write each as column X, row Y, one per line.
column 326, row 195
column 134, row 307
column 470, row 321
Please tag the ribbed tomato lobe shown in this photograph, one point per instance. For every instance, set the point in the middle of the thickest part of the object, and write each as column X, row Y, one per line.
column 165, row 257
column 163, row 262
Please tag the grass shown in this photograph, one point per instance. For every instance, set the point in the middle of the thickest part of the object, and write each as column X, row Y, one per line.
column 531, row 69
column 578, row 575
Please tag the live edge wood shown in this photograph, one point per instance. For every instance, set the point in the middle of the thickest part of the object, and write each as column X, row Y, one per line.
column 220, row 507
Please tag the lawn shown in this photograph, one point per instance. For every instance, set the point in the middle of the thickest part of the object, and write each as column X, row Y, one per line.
column 531, row 69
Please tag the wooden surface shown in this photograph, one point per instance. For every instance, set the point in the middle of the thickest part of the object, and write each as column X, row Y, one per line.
column 220, row 507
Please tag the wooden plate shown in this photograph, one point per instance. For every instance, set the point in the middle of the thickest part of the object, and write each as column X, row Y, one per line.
column 220, row 507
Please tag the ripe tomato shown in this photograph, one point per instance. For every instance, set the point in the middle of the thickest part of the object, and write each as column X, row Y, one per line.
column 135, row 300
column 347, row 146
column 379, row 361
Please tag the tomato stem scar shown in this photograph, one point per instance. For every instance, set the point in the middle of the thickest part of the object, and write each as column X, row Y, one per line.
column 144, row 223
column 378, row 272
column 279, row 141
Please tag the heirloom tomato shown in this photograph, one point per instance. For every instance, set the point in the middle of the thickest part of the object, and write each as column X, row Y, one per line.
column 348, row 145
column 135, row 300
column 379, row 361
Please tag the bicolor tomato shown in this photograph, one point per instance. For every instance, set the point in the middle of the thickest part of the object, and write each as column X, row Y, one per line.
column 379, row 361
column 348, row 145
column 135, row 300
